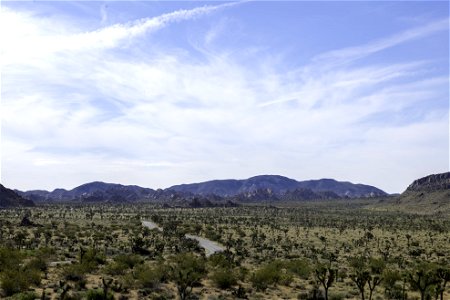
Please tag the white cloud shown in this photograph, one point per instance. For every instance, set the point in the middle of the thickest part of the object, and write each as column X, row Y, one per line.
column 24, row 41
column 164, row 118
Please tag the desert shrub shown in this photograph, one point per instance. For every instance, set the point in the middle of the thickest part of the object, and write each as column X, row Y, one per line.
column 25, row 296
column 147, row 277
column 13, row 281
column 186, row 271
column 151, row 276
column 75, row 272
column 224, row 278
column 32, row 276
column 265, row 276
column 336, row 296
column 116, row 268
column 98, row 294
column 91, row 259
column 129, row 260
column 9, row 258
column 37, row 263
column 299, row 267
column 286, row 278
column 219, row 260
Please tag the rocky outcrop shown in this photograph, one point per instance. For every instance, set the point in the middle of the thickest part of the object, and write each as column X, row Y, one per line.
column 427, row 195
column 431, row 183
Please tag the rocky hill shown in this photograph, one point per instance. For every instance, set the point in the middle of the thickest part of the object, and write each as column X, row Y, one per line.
column 9, row 198
column 93, row 192
column 431, row 183
column 278, row 185
column 427, row 195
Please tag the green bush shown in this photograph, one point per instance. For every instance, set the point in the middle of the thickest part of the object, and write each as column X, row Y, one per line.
column 9, row 258
column 98, row 294
column 186, row 271
column 265, row 276
column 32, row 276
column 37, row 263
column 116, row 268
column 224, row 278
column 129, row 260
column 219, row 260
column 151, row 276
column 91, row 259
column 25, row 296
column 147, row 278
column 299, row 267
column 13, row 281
column 76, row 272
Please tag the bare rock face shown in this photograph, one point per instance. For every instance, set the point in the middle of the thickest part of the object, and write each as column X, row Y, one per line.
column 431, row 183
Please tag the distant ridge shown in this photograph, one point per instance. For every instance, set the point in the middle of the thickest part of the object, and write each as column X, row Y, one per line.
column 92, row 192
column 278, row 185
column 254, row 189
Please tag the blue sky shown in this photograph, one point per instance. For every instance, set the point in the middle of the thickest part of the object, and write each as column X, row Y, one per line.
column 162, row 93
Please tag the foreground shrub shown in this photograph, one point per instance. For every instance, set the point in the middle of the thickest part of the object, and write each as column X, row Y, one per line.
column 98, row 294
column 186, row 271
column 14, row 281
column 299, row 267
column 128, row 260
column 25, row 296
column 76, row 272
column 224, row 278
column 265, row 276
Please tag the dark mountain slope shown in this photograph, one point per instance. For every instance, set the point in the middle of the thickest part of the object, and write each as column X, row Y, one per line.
column 227, row 187
column 278, row 185
column 94, row 191
column 254, row 189
column 342, row 188
column 9, row 198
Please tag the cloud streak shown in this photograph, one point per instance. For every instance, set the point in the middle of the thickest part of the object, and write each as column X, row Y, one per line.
column 165, row 116
column 350, row 54
column 18, row 44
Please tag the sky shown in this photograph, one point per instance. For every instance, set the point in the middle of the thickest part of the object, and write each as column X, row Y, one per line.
column 162, row 93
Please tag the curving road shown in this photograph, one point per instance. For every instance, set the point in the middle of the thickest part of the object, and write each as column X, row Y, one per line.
column 209, row 246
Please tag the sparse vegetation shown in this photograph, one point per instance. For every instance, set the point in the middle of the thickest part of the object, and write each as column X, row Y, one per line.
column 309, row 250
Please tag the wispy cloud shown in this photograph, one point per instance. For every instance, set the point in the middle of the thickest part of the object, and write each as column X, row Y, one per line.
column 22, row 41
column 166, row 117
column 357, row 52
column 104, row 13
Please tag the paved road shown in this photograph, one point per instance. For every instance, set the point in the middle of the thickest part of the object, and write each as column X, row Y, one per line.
column 151, row 225
column 209, row 246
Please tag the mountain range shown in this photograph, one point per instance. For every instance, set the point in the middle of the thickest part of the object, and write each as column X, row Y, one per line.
column 258, row 188
column 9, row 198
column 278, row 185
column 430, row 194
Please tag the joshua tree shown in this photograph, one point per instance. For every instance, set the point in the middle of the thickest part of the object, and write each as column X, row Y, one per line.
column 186, row 271
column 423, row 278
column 106, row 284
column 376, row 267
column 360, row 275
column 443, row 276
column 326, row 276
